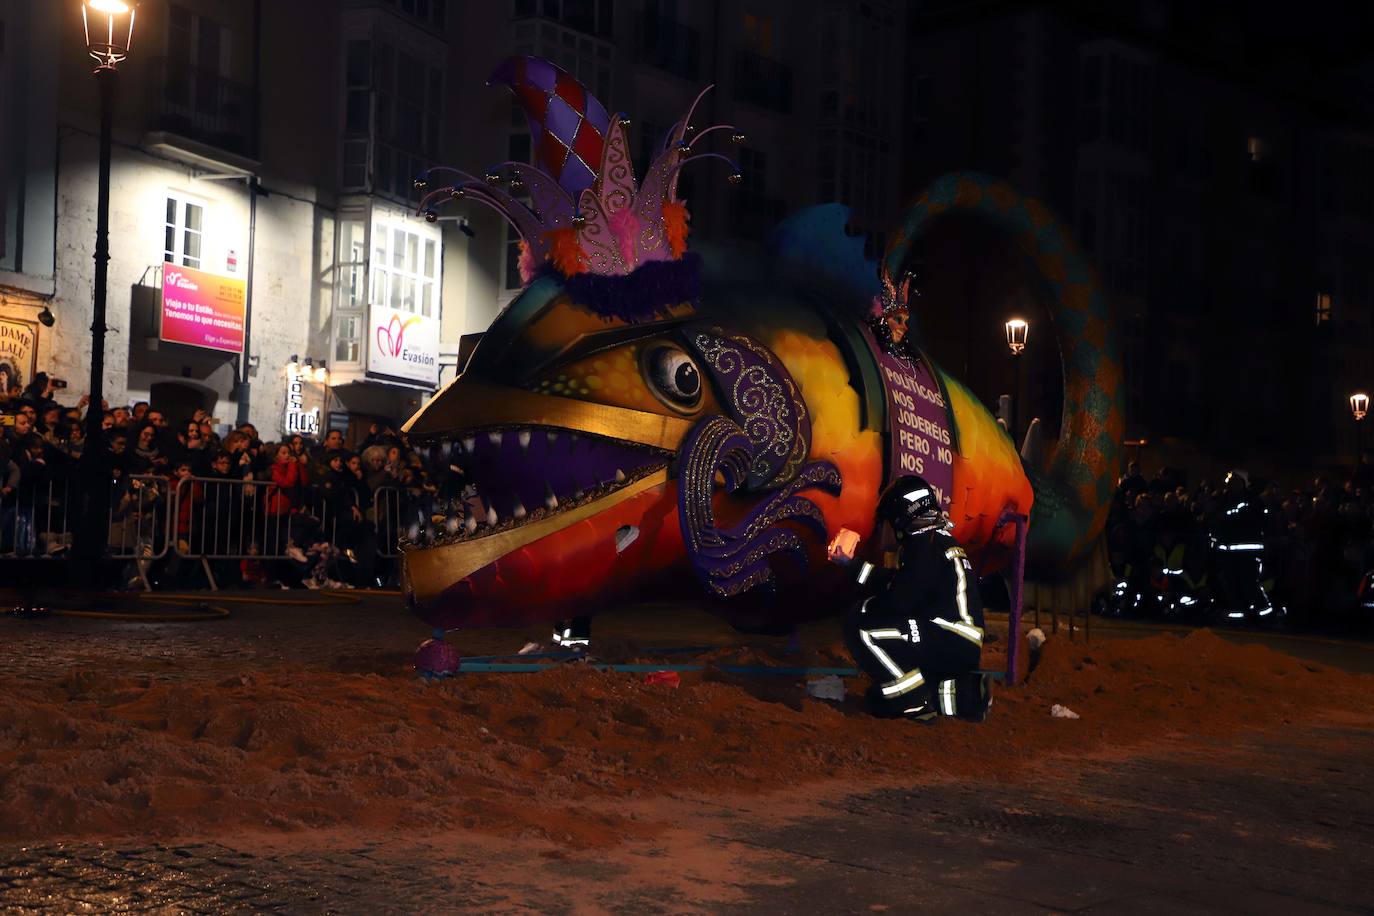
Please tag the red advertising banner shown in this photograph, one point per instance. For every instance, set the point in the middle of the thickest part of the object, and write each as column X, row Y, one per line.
column 202, row 309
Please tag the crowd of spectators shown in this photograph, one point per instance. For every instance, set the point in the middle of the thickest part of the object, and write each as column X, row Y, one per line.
column 291, row 513
column 1318, row 541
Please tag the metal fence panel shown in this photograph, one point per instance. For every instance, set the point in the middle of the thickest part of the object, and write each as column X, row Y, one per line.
column 204, row 518
column 139, row 514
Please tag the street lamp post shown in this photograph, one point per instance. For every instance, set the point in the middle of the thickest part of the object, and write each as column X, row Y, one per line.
column 1018, row 329
column 109, row 28
column 1359, row 407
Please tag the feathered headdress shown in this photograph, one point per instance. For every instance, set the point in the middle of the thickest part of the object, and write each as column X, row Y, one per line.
column 582, row 214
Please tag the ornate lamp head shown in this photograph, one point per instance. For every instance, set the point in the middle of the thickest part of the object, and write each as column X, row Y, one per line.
column 579, row 210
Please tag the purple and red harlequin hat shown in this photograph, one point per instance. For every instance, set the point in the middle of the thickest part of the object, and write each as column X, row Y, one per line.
column 578, row 207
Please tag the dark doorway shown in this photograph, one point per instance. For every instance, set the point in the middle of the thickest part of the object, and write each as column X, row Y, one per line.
column 178, row 401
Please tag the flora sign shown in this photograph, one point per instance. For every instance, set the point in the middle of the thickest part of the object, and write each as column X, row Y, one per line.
column 299, row 419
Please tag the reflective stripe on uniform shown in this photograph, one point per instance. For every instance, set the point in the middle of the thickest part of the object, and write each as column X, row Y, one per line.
column 956, row 554
column 968, row 631
column 947, row 697
column 864, row 572
column 904, row 684
column 867, row 637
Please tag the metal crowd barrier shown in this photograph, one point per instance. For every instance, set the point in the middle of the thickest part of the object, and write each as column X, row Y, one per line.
column 205, row 519
column 390, row 507
column 35, row 521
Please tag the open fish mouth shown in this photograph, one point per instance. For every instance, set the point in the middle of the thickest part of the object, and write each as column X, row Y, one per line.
column 521, row 474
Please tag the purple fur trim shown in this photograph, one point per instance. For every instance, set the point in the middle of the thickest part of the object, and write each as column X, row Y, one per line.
column 646, row 293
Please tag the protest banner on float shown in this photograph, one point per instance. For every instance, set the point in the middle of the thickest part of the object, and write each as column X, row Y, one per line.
column 918, row 423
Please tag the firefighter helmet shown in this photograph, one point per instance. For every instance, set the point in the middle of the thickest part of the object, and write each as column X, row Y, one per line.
column 909, row 504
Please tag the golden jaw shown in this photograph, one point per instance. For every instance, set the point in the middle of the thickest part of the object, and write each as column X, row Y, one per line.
column 574, row 440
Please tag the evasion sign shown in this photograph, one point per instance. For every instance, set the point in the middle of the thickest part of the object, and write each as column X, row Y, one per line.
column 403, row 346
column 918, row 426
column 202, row 309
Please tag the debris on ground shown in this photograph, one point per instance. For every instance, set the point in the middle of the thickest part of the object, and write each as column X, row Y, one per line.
column 830, row 687
column 1063, row 712
column 664, row 678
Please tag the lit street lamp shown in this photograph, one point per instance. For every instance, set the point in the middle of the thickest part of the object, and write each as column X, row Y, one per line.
column 109, row 30
column 1018, row 329
column 1359, row 406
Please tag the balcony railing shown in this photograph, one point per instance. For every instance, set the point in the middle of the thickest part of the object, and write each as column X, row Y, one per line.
column 669, row 45
column 202, row 105
column 763, row 82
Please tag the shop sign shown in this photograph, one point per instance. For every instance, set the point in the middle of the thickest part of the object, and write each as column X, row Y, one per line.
column 202, row 309
column 300, row 419
column 402, row 346
column 18, row 351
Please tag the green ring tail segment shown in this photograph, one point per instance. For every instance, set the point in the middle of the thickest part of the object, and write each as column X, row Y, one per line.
column 1073, row 491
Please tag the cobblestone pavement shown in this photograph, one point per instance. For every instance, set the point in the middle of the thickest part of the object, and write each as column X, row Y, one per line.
column 1278, row 825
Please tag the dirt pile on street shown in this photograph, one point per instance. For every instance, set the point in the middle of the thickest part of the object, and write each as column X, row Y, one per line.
column 94, row 752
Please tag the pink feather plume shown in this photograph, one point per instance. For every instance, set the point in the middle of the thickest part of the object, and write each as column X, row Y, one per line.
column 625, row 226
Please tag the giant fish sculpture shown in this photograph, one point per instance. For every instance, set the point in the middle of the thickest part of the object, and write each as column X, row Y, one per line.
column 643, row 419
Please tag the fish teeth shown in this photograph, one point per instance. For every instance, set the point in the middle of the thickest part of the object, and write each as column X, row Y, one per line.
column 519, row 511
column 468, row 443
column 491, row 516
column 471, row 524
column 495, row 438
column 550, row 501
column 551, row 436
column 452, row 524
column 619, row 476
column 524, row 438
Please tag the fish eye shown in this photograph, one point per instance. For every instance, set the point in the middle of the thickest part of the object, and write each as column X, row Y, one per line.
column 672, row 376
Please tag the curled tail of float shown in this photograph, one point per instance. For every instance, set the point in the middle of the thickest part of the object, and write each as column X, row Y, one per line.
column 1073, row 486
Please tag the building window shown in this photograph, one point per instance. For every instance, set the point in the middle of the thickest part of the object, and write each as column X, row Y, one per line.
column 753, row 170
column 586, row 58
column 758, row 33
column 183, row 231
column 595, row 17
column 392, row 103
column 349, row 346
column 405, row 269
column 351, row 290
column 1323, row 308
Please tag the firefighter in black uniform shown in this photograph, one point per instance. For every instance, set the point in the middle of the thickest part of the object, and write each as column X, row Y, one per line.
column 1237, row 536
column 919, row 633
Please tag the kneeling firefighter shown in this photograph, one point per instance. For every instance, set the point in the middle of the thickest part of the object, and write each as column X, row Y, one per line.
column 919, row 633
